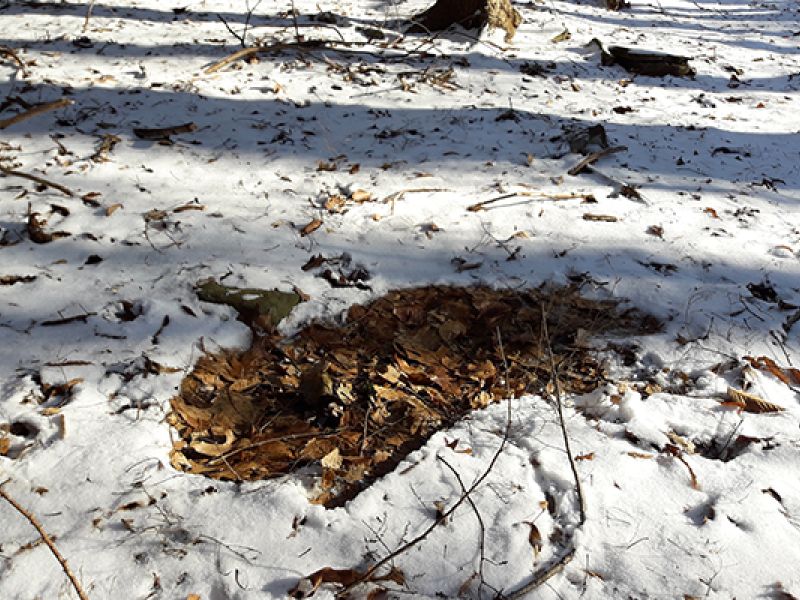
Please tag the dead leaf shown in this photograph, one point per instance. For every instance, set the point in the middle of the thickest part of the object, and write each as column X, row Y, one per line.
column 308, row 585
column 332, row 460
column 214, row 449
column 752, row 403
column 112, row 208
column 562, row 37
column 360, row 196
column 790, row 376
column 335, row 204
column 535, row 540
column 311, row 227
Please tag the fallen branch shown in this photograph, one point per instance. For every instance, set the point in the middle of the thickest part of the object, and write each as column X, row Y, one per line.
column 299, row 45
column 154, row 134
column 593, row 158
column 11, row 53
column 543, row 576
column 35, row 110
column 566, row 196
column 40, row 180
column 47, row 540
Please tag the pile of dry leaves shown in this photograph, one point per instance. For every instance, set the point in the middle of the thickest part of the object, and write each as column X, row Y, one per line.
column 355, row 398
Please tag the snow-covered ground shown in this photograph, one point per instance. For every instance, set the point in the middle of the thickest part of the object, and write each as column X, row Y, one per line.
column 686, row 497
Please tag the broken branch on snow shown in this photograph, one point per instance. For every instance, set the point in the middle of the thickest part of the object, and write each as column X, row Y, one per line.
column 36, row 179
column 593, row 158
column 31, row 518
column 34, row 111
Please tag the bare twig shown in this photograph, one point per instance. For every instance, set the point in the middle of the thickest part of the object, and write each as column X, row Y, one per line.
column 481, row 578
column 561, row 422
column 36, row 179
column 297, row 35
column 266, row 49
column 555, row 568
column 12, row 54
column 232, row 32
column 47, row 540
column 35, row 110
column 88, row 15
column 558, row 565
column 565, row 196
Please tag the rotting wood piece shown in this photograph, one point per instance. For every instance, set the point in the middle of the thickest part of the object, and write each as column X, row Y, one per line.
column 470, row 14
column 155, row 134
column 644, row 62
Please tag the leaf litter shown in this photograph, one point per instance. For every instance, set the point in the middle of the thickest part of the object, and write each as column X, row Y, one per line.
column 352, row 400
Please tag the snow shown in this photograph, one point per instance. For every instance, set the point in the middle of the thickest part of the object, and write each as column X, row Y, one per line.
column 716, row 160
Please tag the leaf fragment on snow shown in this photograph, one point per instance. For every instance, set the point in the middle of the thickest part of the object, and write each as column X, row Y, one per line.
column 308, row 585
column 360, row 196
column 789, row 376
column 535, row 540
column 752, row 403
column 311, row 227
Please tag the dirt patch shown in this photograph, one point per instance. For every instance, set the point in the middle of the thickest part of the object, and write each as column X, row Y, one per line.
column 354, row 399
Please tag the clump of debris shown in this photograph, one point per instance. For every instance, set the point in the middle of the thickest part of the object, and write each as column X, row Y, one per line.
column 353, row 399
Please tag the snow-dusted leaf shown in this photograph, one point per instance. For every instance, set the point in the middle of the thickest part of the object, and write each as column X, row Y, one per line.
column 751, row 402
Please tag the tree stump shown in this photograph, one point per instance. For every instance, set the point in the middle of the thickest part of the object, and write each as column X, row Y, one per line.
column 470, row 14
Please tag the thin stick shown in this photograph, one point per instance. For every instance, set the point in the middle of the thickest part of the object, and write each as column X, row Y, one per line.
column 534, row 583
column 47, row 540
column 482, row 580
column 302, row 45
column 35, row 178
column 593, row 158
column 88, row 15
column 11, row 53
column 561, row 422
column 38, row 109
column 297, row 35
column 232, row 32
column 566, row 196
column 558, row 565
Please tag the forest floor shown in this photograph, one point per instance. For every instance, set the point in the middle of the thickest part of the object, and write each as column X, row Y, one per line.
column 658, row 215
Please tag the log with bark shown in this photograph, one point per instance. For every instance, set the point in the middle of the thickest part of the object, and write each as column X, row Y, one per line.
column 470, row 14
